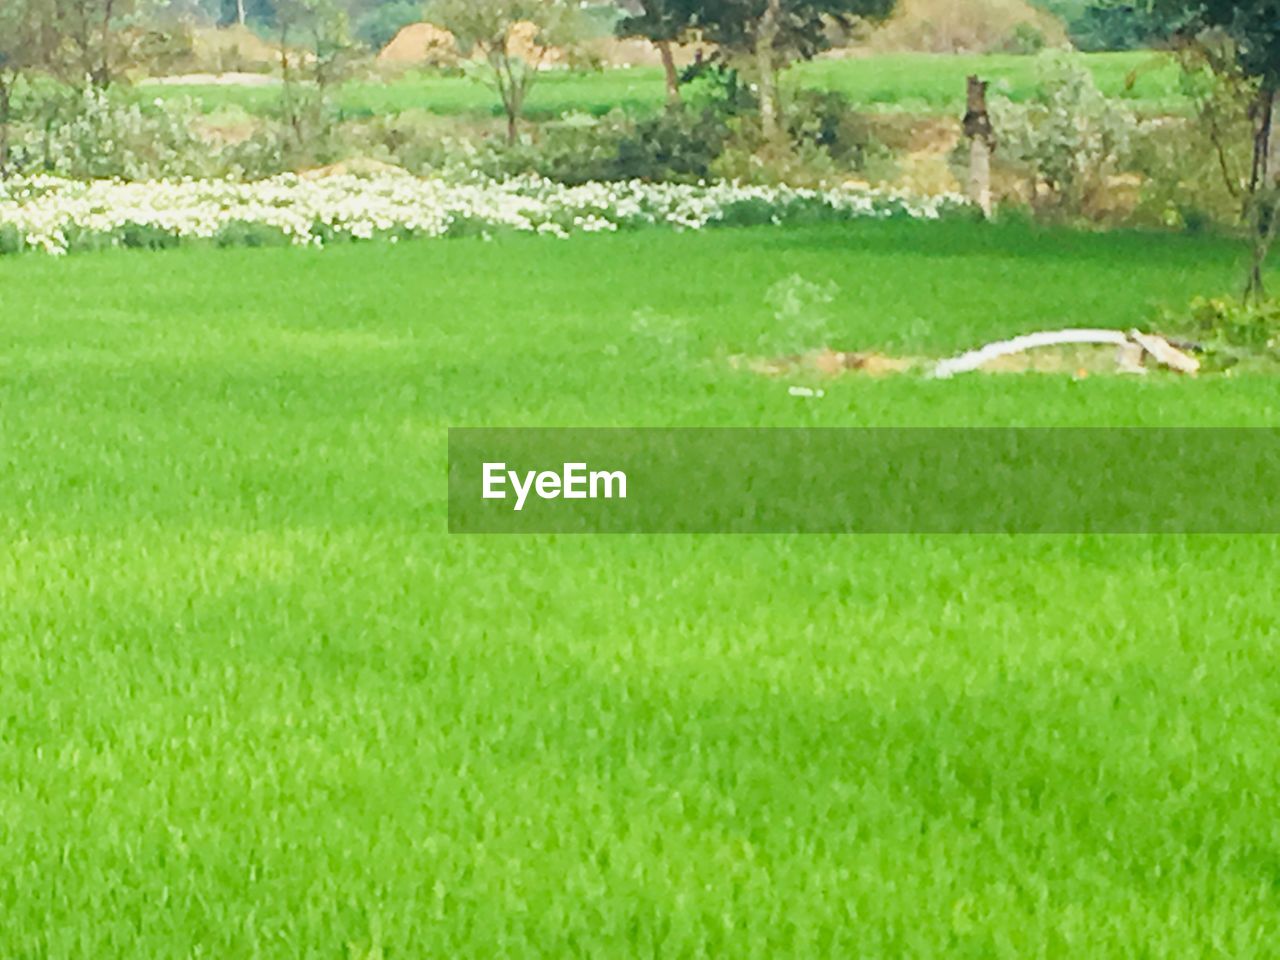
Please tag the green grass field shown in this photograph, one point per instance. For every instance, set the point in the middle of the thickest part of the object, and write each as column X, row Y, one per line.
column 922, row 83
column 255, row 702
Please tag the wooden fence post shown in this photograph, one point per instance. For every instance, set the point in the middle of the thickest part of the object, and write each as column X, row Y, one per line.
column 982, row 143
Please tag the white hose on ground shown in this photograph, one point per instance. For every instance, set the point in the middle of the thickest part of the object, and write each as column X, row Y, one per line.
column 974, row 359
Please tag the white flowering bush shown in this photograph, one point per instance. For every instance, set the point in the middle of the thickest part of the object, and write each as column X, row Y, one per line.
column 1070, row 137
column 57, row 215
column 98, row 135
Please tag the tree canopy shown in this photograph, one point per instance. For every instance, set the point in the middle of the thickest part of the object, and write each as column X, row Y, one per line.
column 1252, row 27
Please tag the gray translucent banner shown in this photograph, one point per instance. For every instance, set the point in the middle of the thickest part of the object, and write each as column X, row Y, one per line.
column 996, row 480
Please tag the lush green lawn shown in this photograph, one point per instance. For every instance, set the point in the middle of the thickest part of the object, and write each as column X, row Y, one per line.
column 255, row 702
column 911, row 82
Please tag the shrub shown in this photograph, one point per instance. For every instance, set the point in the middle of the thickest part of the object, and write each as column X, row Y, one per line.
column 245, row 233
column 1198, row 167
column 1026, row 39
column 146, row 236
column 577, row 149
column 1228, row 332
column 1109, row 26
column 96, row 134
column 1069, row 138
column 801, row 313
column 748, row 212
column 747, row 161
column 266, row 152
column 11, row 239
column 1232, row 323
column 675, row 145
column 1185, row 186
column 826, row 120
column 715, row 86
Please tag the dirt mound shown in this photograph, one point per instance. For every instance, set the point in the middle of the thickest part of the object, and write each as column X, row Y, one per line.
column 354, row 167
column 975, row 26
column 429, row 45
column 522, row 41
column 830, row 363
column 420, row 43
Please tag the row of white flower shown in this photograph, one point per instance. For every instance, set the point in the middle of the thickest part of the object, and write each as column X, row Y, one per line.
column 49, row 213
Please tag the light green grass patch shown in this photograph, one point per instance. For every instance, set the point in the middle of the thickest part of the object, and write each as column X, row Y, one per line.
column 924, row 83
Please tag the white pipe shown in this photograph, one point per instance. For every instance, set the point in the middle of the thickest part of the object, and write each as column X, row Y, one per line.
column 974, row 359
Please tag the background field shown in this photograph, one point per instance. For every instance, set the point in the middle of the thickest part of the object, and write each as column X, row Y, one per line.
column 255, row 702
column 910, row 82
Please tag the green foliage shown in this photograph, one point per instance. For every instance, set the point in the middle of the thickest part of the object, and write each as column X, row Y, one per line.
column 659, row 20
column 489, row 28
column 271, row 149
column 105, row 134
column 143, row 236
column 1123, row 27
column 1198, row 166
column 1252, row 28
column 827, row 142
column 718, row 86
column 1099, row 25
column 1230, row 333
column 1027, row 39
column 803, row 27
column 826, row 120
column 802, row 314
column 676, row 145
column 243, row 234
column 11, row 239
column 1070, row 137
column 379, row 25
column 428, row 122
column 1192, row 182
column 673, row 146
column 748, row 159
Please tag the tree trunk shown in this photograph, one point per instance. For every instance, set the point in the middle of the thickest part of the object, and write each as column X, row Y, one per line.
column 766, row 38
column 669, row 69
column 980, row 175
column 102, row 75
column 1264, row 190
column 240, row 12
column 1271, row 142
column 982, row 140
column 513, row 131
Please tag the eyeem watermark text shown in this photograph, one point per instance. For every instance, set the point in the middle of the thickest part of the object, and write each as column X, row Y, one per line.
column 573, row 482
column 1090, row 480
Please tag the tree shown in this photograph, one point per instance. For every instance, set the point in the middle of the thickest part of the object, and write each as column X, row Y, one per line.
column 377, row 26
column 775, row 33
column 512, row 57
column 92, row 33
column 323, row 27
column 662, row 23
column 28, row 42
column 1243, row 37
